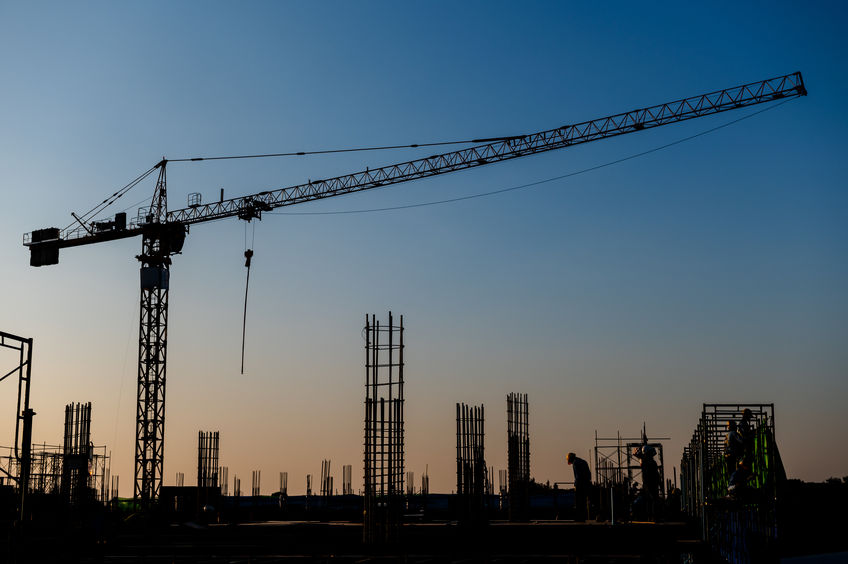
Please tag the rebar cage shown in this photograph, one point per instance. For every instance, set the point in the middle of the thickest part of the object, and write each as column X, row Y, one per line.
column 384, row 430
column 518, row 456
column 472, row 480
column 208, row 447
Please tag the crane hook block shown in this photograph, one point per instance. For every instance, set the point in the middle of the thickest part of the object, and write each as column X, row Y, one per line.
column 248, row 254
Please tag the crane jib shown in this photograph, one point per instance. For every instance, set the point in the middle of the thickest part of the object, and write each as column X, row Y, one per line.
column 44, row 244
column 505, row 148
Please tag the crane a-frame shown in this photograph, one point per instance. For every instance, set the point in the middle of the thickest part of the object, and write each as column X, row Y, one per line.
column 163, row 231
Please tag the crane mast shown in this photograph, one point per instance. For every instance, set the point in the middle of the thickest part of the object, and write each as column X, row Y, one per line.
column 163, row 232
column 157, row 245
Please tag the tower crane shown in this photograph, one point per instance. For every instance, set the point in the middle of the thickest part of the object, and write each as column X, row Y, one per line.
column 163, row 231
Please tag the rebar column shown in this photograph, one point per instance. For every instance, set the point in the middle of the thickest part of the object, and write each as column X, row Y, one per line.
column 471, row 478
column 76, row 453
column 208, row 445
column 347, row 470
column 384, row 430
column 518, row 456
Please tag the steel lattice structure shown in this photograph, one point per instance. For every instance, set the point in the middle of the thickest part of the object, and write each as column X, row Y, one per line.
column 159, row 241
column 163, row 232
column 23, row 414
column 518, row 455
column 472, row 480
column 733, row 524
column 208, row 447
column 384, row 430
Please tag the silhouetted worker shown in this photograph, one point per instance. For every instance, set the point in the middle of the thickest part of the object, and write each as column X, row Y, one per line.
column 582, row 481
column 734, row 446
column 650, row 473
column 747, row 432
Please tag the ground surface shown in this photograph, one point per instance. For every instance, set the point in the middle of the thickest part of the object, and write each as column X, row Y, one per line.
column 285, row 541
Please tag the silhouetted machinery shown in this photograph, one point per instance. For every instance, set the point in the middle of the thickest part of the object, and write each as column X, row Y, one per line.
column 163, row 231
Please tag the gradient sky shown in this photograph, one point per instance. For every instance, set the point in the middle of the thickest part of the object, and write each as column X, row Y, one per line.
column 711, row 271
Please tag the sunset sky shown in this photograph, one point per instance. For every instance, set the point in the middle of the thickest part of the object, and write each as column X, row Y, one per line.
column 713, row 270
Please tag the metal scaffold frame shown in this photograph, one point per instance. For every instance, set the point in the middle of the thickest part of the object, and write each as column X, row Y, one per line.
column 23, row 414
column 616, row 465
column 741, row 527
column 47, row 471
column 384, row 430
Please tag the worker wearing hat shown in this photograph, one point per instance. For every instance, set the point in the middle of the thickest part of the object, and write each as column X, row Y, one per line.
column 582, row 481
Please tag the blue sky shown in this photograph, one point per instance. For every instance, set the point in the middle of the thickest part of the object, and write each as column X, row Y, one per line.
column 710, row 271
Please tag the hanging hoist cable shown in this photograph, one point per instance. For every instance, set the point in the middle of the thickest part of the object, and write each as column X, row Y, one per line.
column 248, row 254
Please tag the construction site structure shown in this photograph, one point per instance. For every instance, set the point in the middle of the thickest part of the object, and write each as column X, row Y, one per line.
column 425, row 481
column 471, row 471
column 347, row 484
column 615, row 463
column 326, row 479
column 741, row 524
column 384, row 430
column 21, row 449
column 518, row 456
column 114, row 486
column 47, row 473
column 284, row 483
column 255, row 482
column 503, row 488
column 163, row 231
column 618, row 473
column 77, row 471
column 76, row 452
column 208, row 447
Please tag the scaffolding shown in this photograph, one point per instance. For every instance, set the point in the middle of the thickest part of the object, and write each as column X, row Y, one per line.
column 616, row 465
column 518, row 456
column 384, row 430
column 740, row 525
column 47, row 472
column 471, row 472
